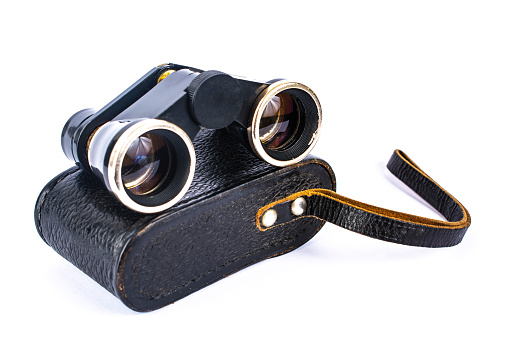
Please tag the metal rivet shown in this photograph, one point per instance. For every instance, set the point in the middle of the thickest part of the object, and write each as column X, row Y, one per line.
column 299, row 206
column 269, row 218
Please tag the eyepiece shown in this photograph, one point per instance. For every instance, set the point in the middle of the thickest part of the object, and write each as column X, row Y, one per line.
column 285, row 123
column 147, row 164
column 71, row 130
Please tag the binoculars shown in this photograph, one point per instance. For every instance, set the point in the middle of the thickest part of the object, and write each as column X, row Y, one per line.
column 141, row 144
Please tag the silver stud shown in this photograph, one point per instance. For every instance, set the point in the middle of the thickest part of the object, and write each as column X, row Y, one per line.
column 269, row 218
column 299, row 206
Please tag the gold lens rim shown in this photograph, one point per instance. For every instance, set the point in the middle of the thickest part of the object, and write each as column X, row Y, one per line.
column 117, row 156
column 253, row 131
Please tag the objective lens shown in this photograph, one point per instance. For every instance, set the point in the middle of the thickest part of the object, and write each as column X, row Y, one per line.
column 146, row 164
column 285, row 123
column 279, row 121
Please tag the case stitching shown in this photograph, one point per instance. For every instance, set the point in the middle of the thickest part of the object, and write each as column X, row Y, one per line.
column 203, row 275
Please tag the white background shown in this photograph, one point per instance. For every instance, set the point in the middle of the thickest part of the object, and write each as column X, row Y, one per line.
column 428, row 77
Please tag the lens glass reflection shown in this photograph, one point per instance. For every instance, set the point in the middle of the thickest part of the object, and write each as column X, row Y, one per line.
column 279, row 121
column 146, row 164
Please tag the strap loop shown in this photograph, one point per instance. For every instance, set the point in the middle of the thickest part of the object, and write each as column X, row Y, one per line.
column 377, row 222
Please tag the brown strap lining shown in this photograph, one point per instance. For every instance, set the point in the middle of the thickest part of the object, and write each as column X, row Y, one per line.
column 383, row 223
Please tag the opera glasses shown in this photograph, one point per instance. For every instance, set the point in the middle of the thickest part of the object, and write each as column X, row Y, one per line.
column 141, row 143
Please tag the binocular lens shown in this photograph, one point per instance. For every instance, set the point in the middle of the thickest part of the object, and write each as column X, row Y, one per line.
column 146, row 164
column 279, row 121
column 285, row 122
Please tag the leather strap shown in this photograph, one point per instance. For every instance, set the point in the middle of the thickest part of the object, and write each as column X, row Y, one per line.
column 377, row 222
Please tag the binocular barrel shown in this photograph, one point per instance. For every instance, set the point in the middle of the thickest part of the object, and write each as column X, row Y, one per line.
column 140, row 144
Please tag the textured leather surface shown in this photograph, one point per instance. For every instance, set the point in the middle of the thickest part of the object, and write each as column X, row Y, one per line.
column 381, row 223
column 149, row 261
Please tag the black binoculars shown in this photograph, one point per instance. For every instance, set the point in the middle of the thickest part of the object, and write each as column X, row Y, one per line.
column 141, row 143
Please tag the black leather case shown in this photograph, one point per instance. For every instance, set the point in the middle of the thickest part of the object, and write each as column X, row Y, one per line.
column 149, row 261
